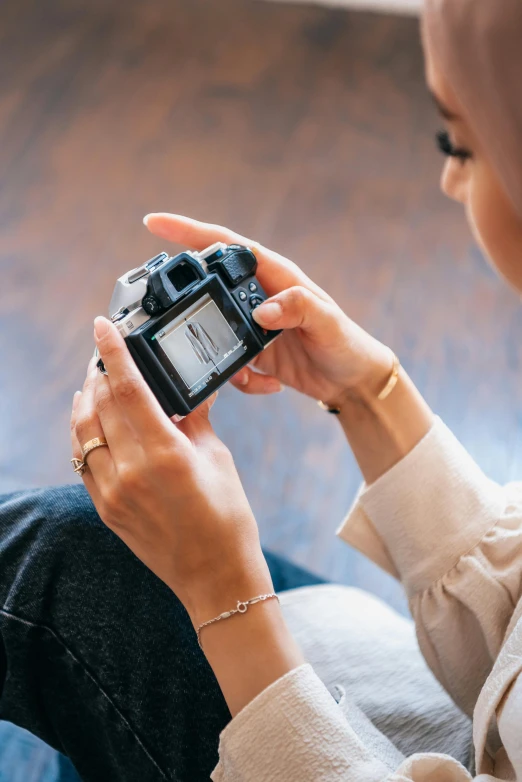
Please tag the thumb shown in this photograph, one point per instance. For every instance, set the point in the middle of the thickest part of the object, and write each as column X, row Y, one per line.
column 204, row 409
column 197, row 424
column 294, row 308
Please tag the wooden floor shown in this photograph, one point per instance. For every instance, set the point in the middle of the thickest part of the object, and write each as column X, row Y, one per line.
column 306, row 128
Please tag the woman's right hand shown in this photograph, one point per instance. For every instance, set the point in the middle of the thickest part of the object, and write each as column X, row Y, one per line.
column 322, row 353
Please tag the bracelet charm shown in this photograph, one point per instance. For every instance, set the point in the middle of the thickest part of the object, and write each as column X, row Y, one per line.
column 241, row 608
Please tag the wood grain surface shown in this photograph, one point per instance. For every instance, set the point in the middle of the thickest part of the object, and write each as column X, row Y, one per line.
column 306, row 128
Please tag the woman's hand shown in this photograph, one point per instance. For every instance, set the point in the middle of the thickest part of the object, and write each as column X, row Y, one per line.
column 169, row 491
column 321, row 353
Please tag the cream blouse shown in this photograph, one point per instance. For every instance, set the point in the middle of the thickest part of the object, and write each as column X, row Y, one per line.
column 454, row 538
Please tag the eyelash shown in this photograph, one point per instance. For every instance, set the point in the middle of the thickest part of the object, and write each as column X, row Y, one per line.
column 448, row 148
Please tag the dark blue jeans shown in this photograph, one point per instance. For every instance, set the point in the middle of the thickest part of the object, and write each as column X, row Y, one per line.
column 97, row 656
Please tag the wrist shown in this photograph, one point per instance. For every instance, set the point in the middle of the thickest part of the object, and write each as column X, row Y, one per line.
column 250, row 651
column 221, row 589
column 370, row 381
column 381, row 378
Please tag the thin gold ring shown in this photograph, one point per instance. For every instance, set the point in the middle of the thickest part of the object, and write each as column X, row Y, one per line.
column 79, row 466
column 91, row 445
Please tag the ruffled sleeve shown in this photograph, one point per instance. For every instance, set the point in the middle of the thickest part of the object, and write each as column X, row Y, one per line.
column 454, row 538
column 294, row 731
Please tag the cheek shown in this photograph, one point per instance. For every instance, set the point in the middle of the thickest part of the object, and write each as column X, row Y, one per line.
column 494, row 223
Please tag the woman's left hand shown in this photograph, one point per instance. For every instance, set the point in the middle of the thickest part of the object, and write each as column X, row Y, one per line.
column 170, row 491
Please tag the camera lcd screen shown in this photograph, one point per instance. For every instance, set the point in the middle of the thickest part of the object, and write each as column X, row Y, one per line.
column 192, row 349
column 200, row 343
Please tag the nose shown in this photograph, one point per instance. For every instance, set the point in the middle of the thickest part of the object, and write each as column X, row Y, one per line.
column 454, row 180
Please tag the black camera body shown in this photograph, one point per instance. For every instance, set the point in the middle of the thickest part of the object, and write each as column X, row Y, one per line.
column 187, row 321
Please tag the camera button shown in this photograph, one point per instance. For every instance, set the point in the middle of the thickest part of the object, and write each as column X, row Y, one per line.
column 242, row 296
column 252, row 287
column 255, row 301
column 151, row 305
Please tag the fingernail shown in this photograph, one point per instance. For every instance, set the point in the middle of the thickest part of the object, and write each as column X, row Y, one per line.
column 76, row 399
column 276, row 387
column 267, row 313
column 101, row 327
column 242, row 378
column 146, row 219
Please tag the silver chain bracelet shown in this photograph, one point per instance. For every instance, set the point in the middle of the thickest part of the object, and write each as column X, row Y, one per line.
column 242, row 608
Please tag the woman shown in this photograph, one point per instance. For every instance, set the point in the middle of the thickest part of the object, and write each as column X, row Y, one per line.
column 142, row 702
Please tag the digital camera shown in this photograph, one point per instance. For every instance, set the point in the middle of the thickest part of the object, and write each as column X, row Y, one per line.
column 187, row 321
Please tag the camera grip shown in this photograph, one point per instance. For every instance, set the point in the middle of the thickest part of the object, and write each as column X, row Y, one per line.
column 236, row 267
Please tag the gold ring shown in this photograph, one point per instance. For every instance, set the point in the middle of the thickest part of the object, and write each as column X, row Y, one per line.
column 79, row 467
column 91, row 445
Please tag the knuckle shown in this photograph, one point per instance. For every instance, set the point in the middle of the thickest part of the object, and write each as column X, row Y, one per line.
column 136, row 479
column 103, row 400
column 295, row 302
column 112, row 504
column 129, row 477
column 127, row 387
column 297, row 297
column 302, row 305
column 110, row 500
column 226, row 234
column 165, row 463
column 110, row 347
column 219, row 453
column 105, row 515
column 84, row 425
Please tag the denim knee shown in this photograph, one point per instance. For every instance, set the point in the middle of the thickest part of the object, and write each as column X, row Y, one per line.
column 33, row 516
column 48, row 538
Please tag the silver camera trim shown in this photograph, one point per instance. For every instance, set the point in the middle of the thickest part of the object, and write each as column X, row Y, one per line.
column 125, row 308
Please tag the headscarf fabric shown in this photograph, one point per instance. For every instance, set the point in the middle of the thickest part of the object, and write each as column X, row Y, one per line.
column 477, row 45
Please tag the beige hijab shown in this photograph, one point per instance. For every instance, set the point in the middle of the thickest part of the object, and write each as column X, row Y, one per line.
column 477, row 44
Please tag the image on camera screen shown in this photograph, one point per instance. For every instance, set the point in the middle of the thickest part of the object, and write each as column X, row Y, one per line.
column 200, row 343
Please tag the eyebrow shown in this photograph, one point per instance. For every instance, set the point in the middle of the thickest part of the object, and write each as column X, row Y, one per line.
column 443, row 110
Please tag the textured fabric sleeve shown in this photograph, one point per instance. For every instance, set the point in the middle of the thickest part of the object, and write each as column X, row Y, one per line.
column 454, row 538
column 294, row 731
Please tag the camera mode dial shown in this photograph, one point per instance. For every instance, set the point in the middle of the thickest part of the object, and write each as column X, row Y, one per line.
column 151, row 305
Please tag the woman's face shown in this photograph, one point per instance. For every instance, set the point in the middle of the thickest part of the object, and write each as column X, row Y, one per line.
column 474, row 183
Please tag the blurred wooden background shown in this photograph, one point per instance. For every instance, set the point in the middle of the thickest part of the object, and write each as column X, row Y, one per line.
column 306, row 128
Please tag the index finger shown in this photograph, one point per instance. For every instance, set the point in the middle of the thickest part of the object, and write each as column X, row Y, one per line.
column 275, row 272
column 132, row 394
